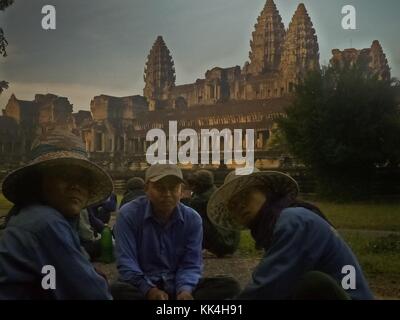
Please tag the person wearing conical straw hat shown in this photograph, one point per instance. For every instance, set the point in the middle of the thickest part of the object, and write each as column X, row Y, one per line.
column 40, row 252
column 304, row 257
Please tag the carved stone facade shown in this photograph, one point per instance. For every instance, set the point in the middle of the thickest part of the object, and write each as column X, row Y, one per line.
column 23, row 120
column 267, row 43
column 278, row 60
column 122, row 144
column 111, row 127
column 373, row 59
column 300, row 51
column 159, row 74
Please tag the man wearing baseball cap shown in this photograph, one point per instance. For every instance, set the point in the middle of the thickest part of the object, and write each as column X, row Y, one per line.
column 159, row 245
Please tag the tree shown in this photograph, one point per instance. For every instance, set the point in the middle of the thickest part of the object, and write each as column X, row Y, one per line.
column 3, row 86
column 3, row 41
column 343, row 124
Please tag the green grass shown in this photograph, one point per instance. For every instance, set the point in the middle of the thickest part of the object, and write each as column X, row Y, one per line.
column 384, row 259
column 368, row 216
column 4, row 205
column 380, row 260
column 247, row 246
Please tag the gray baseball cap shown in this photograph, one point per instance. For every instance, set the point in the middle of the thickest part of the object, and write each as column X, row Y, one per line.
column 158, row 171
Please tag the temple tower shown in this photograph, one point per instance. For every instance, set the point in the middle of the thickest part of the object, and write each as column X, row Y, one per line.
column 159, row 73
column 267, row 42
column 378, row 63
column 300, row 51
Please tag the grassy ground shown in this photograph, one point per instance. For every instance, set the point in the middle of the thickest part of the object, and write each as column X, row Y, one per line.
column 371, row 229
column 365, row 227
column 4, row 204
column 368, row 216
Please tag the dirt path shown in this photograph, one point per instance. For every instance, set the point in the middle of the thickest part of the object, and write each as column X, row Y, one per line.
column 239, row 268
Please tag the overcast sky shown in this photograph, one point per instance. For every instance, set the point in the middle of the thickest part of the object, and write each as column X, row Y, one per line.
column 100, row 46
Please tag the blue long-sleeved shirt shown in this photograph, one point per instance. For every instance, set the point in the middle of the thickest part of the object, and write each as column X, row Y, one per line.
column 149, row 253
column 302, row 242
column 38, row 236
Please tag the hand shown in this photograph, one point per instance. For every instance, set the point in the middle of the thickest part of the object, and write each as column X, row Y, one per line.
column 184, row 295
column 156, row 294
column 101, row 273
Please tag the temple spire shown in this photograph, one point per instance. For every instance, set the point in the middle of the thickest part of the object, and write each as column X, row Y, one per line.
column 378, row 63
column 300, row 51
column 159, row 73
column 267, row 42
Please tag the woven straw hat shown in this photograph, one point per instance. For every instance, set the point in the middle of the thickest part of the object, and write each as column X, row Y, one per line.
column 57, row 148
column 272, row 181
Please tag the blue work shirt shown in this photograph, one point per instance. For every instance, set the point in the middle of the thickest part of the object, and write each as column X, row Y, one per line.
column 39, row 236
column 303, row 242
column 150, row 254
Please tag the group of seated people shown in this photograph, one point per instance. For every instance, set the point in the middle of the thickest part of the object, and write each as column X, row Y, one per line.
column 160, row 236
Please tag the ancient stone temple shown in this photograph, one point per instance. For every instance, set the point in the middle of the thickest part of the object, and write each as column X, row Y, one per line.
column 248, row 97
column 373, row 59
column 278, row 61
column 24, row 119
column 251, row 97
column 107, row 133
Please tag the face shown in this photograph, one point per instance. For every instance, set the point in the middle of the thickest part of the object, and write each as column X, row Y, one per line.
column 66, row 189
column 164, row 195
column 246, row 206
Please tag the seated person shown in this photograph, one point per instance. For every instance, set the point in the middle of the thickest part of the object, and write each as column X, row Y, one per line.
column 158, row 245
column 215, row 239
column 40, row 230
column 134, row 189
column 102, row 212
column 90, row 239
column 304, row 255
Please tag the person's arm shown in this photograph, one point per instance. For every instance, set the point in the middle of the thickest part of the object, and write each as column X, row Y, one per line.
column 75, row 276
column 95, row 222
column 283, row 264
column 127, row 257
column 199, row 205
column 85, row 230
column 110, row 204
column 191, row 266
